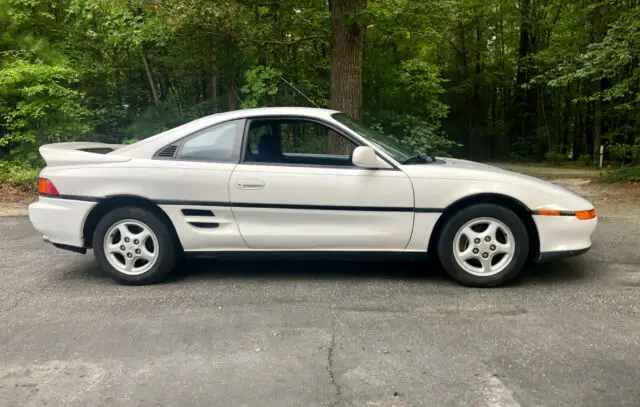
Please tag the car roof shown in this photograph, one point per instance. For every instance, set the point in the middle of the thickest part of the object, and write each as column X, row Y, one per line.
column 144, row 147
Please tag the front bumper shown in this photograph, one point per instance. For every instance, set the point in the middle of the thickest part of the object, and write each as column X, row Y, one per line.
column 563, row 236
column 60, row 220
column 553, row 256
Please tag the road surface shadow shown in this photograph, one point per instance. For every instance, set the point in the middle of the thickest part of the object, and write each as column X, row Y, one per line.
column 307, row 269
column 565, row 271
column 559, row 272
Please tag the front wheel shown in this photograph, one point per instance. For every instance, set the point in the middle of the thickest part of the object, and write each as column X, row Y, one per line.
column 484, row 245
column 134, row 246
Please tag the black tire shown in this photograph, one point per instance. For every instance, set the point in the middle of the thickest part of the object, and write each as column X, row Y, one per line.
column 167, row 247
column 457, row 221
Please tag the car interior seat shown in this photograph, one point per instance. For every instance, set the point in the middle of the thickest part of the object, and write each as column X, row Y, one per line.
column 270, row 148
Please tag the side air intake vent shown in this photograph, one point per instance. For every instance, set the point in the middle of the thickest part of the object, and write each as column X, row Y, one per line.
column 197, row 212
column 167, row 152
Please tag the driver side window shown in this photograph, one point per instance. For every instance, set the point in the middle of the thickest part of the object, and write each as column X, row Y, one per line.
column 297, row 142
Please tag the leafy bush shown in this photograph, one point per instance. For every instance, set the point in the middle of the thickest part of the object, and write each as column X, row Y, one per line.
column 585, row 158
column 14, row 172
column 629, row 173
column 555, row 157
column 625, row 152
column 422, row 137
column 261, row 84
column 38, row 104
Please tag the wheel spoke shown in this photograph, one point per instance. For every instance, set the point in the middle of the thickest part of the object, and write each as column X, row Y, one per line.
column 486, row 264
column 491, row 230
column 146, row 255
column 128, row 263
column 467, row 254
column 124, row 231
column 114, row 248
column 503, row 247
column 470, row 233
column 142, row 236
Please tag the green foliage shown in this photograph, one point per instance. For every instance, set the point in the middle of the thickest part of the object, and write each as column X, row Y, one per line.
column 17, row 173
column 554, row 157
column 585, row 158
column 38, row 105
column 629, row 173
column 261, row 86
column 420, row 136
column 441, row 76
column 625, row 152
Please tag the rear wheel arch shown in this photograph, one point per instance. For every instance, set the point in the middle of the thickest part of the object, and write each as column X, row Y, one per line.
column 117, row 201
column 523, row 212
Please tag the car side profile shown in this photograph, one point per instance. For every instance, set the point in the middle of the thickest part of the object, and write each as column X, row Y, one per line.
column 297, row 180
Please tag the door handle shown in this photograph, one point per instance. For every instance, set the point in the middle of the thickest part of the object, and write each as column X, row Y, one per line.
column 250, row 184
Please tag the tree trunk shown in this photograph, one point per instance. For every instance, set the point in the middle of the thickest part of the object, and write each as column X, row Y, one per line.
column 468, row 95
column 347, row 49
column 232, row 96
column 214, row 93
column 526, row 99
column 596, row 24
column 150, row 78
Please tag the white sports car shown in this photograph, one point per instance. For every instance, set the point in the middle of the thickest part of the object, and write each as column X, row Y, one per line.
column 301, row 180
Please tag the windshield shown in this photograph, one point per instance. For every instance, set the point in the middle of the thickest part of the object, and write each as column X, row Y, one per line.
column 396, row 150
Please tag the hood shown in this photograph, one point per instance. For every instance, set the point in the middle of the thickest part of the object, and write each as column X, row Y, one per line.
column 498, row 180
column 512, row 176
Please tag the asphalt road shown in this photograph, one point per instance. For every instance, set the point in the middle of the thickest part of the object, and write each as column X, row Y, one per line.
column 311, row 333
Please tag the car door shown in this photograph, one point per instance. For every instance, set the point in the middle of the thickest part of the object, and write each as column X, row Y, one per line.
column 191, row 186
column 296, row 188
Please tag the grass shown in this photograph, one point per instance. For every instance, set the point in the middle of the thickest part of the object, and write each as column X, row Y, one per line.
column 629, row 173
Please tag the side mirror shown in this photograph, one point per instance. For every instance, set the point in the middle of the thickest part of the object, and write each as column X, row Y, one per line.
column 366, row 157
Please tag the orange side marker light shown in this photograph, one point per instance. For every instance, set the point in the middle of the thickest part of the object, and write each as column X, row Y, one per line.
column 548, row 212
column 586, row 215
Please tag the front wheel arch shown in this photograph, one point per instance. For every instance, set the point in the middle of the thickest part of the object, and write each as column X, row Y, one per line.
column 523, row 212
column 107, row 204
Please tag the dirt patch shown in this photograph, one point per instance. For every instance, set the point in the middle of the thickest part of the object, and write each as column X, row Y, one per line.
column 14, row 199
column 553, row 172
column 613, row 200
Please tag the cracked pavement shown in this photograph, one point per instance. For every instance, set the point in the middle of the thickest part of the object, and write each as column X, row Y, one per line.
column 319, row 333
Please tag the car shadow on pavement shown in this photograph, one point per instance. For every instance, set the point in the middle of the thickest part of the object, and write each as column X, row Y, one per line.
column 307, row 269
column 565, row 271
column 553, row 273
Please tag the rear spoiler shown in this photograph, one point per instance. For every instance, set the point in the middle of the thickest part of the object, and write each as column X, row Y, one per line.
column 80, row 153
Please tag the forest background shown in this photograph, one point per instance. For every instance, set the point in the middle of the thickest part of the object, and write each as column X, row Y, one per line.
column 490, row 80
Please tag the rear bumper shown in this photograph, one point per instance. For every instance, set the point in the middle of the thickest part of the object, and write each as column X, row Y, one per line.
column 60, row 220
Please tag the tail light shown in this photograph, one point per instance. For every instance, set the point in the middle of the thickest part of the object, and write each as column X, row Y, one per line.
column 46, row 187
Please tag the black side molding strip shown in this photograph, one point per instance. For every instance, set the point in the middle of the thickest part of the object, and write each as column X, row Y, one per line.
column 322, row 207
column 428, row 210
column 72, row 197
column 190, row 203
column 265, row 205
column 561, row 213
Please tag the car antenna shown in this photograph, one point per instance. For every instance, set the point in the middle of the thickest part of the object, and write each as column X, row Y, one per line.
column 300, row 92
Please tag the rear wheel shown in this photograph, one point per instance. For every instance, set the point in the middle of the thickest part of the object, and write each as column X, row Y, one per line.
column 484, row 245
column 134, row 246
